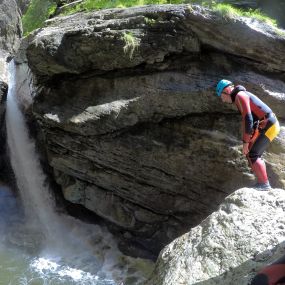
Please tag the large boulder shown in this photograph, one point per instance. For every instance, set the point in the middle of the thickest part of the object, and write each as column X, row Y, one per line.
column 127, row 114
column 124, row 38
column 245, row 234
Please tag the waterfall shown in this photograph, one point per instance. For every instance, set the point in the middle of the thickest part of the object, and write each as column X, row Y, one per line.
column 37, row 201
column 87, row 254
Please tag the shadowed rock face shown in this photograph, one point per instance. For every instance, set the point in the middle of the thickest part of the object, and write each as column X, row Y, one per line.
column 23, row 5
column 126, row 109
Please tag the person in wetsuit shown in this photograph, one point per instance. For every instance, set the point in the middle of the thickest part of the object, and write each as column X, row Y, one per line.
column 273, row 274
column 259, row 126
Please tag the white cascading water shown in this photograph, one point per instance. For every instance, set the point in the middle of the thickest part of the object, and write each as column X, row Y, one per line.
column 37, row 202
column 84, row 254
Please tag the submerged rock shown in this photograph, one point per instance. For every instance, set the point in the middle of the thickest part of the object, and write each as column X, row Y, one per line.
column 230, row 246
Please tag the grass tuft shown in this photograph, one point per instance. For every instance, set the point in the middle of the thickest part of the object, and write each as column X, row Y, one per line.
column 229, row 11
column 131, row 43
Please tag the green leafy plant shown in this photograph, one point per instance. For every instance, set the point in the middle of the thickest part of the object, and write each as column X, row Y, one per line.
column 38, row 11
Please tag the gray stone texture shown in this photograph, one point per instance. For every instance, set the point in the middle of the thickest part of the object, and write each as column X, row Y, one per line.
column 10, row 26
column 23, row 5
column 230, row 246
column 131, row 126
column 10, row 33
column 97, row 41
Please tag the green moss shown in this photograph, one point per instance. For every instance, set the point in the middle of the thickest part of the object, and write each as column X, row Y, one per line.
column 131, row 43
column 38, row 11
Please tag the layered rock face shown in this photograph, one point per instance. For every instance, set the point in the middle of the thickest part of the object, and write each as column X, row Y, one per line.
column 245, row 234
column 10, row 32
column 10, row 26
column 127, row 112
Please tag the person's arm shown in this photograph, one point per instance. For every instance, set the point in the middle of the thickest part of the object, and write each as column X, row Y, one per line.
column 243, row 104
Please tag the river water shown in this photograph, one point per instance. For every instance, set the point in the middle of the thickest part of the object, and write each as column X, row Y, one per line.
column 40, row 246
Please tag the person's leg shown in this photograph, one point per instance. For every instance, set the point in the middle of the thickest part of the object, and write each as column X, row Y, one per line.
column 257, row 164
column 270, row 275
column 265, row 137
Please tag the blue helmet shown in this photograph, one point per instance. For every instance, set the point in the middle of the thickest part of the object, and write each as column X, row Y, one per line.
column 222, row 85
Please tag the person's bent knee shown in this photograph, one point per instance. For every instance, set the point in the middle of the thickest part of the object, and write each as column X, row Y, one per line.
column 253, row 157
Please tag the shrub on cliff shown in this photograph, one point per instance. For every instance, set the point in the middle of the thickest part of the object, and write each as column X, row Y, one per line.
column 38, row 11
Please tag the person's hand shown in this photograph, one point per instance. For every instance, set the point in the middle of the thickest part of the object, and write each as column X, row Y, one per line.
column 245, row 149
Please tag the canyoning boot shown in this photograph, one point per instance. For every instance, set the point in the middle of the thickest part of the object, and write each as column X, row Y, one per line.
column 262, row 186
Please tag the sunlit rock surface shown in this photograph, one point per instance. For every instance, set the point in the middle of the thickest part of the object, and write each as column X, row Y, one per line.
column 230, row 246
column 126, row 112
column 122, row 38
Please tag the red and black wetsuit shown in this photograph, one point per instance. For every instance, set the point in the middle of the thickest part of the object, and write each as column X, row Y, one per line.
column 272, row 274
column 255, row 114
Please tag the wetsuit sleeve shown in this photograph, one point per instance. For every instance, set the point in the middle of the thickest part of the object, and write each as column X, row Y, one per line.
column 243, row 104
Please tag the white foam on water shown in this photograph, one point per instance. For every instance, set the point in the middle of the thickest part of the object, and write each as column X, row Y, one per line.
column 48, row 267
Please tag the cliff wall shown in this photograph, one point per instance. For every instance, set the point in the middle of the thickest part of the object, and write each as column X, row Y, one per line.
column 126, row 109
